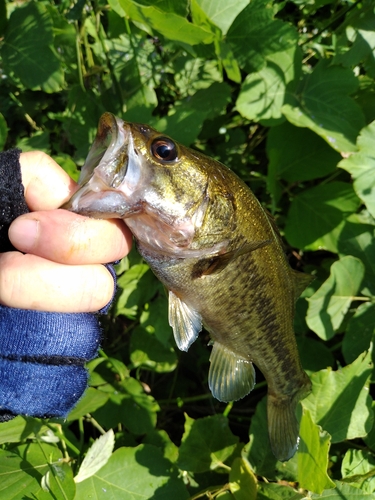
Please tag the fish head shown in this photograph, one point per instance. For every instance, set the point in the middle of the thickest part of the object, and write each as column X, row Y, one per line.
column 155, row 184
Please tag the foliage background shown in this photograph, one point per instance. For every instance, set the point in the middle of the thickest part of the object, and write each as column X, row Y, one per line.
column 283, row 93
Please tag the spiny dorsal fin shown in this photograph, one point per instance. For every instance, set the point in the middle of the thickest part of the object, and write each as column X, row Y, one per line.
column 185, row 321
column 300, row 282
column 230, row 377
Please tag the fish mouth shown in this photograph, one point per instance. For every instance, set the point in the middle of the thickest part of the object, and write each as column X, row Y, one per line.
column 104, row 172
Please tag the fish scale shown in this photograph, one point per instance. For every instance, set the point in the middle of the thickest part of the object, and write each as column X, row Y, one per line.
column 209, row 241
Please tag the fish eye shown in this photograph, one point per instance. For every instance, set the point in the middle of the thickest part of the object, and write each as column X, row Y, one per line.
column 164, row 149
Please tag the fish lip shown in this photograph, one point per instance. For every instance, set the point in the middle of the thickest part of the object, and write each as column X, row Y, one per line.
column 108, row 155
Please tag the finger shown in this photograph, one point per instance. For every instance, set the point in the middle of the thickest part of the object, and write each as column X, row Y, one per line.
column 31, row 282
column 69, row 238
column 46, row 184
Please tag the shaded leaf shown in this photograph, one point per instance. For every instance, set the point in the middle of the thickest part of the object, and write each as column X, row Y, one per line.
column 20, row 428
column 3, row 132
column 274, row 491
column 323, row 105
column 359, row 332
column 340, row 402
column 91, row 401
column 330, row 303
column 206, row 443
column 134, row 473
column 313, row 456
column 315, row 216
column 27, row 48
column 361, row 165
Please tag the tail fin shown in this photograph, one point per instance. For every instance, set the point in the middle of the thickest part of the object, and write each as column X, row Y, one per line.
column 283, row 427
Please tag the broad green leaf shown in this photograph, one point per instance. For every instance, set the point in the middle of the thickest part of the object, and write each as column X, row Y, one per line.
column 161, row 439
column 192, row 74
column 340, row 402
column 27, row 49
column 37, row 141
column 22, row 469
column 359, row 332
column 358, row 467
column 206, row 444
column 313, row 456
column 274, row 491
column 361, row 166
column 96, row 457
column 3, row 132
column 314, row 354
column 296, row 154
column 57, row 483
column 255, row 35
column 147, row 351
column 316, row 216
column 221, row 12
column 19, row 429
column 130, row 406
column 242, row 481
column 91, row 401
column 323, row 105
column 330, row 303
column 170, row 25
column 343, row 491
column 133, row 474
column 357, row 238
column 263, row 92
column 229, row 62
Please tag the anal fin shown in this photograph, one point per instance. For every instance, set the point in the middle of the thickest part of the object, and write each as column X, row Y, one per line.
column 230, row 377
column 185, row 321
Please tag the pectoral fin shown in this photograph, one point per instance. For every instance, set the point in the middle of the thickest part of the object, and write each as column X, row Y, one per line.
column 185, row 321
column 230, row 377
column 215, row 264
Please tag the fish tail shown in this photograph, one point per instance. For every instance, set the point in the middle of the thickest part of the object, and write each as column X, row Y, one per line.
column 283, row 426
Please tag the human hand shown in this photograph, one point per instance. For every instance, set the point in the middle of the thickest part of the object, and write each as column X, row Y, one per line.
column 60, row 268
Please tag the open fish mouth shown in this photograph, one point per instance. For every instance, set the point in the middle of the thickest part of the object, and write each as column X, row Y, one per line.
column 103, row 172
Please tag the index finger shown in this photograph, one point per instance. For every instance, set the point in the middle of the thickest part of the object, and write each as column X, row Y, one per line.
column 47, row 185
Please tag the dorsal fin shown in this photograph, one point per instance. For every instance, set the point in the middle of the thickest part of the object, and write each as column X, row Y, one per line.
column 300, row 282
column 185, row 321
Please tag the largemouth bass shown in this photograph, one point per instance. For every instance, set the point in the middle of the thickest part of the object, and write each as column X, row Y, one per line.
column 219, row 254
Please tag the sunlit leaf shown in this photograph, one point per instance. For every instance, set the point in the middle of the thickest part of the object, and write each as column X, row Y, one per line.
column 340, row 402
column 242, row 481
column 133, row 473
column 313, row 456
column 96, row 457
column 358, row 466
column 329, row 305
column 221, row 12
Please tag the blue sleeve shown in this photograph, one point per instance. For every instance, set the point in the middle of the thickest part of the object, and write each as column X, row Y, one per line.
column 42, row 354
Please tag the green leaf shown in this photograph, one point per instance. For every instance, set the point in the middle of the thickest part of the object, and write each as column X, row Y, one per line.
column 3, row 132
column 148, row 352
column 316, row 216
column 129, row 405
column 323, row 105
column 27, row 49
column 297, row 154
column 361, row 166
column 19, row 429
column 330, row 303
column 255, row 35
column 357, row 238
column 206, row 444
column 359, row 332
column 274, row 491
column 171, row 25
column 221, row 12
column 340, row 402
column 343, row 491
column 134, row 473
column 263, row 92
column 358, row 466
column 91, row 401
column 57, row 483
column 37, row 141
column 313, row 456
column 314, row 354
column 242, row 481
column 22, row 468
column 96, row 457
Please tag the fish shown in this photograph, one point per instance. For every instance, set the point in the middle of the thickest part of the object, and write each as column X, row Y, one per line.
column 218, row 253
